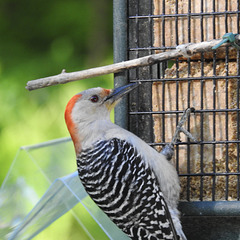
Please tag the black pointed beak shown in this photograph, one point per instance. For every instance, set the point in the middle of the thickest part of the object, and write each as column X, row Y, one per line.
column 119, row 92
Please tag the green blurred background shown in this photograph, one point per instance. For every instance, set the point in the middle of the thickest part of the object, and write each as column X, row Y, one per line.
column 38, row 39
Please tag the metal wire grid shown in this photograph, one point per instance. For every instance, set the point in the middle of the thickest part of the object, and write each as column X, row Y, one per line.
column 140, row 43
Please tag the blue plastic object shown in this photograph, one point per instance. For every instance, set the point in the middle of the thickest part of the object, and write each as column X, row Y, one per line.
column 228, row 37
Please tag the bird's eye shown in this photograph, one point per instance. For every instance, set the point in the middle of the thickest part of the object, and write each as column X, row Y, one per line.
column 94, row 98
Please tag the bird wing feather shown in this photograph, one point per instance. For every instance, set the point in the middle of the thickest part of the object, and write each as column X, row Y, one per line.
column 126, row 189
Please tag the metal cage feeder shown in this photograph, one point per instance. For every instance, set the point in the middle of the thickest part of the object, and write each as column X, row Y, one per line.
column 209, row 169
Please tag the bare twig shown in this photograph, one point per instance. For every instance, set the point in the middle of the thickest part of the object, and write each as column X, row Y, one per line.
column 185, row 50
column 168, row 150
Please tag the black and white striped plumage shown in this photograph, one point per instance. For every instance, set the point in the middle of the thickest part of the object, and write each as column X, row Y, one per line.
column 126, row 189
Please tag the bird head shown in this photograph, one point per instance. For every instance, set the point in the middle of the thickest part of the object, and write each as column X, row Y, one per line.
column 90, row 106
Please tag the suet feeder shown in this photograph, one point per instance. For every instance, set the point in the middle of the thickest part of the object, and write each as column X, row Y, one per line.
column 209, row 169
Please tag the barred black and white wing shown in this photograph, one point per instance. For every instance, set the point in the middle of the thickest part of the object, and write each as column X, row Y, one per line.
column 126, row 189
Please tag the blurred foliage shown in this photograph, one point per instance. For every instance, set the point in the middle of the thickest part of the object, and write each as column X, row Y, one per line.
column 38, row 39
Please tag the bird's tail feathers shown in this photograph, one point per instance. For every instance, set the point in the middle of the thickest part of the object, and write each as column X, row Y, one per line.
column 177, row 224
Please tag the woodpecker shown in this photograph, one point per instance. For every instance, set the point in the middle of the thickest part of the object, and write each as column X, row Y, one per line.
column 136, row 186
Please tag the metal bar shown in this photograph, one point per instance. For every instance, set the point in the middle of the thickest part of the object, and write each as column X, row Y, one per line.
column 137, row 70
column 162, row 72
column 151, row 68
column 163, row 110
column 217, row 208
column 188, row 141
column 214, row 107
column 226, row 16
column 186, row 14
column 214, row 18
column 120, row 54
column 176, row 22
column 181, row 111
column 189, row 78
column 214, row 127
column 226, row 115
column 189, row 21
column 204, row 174
column 202, row 142
column 163, row 23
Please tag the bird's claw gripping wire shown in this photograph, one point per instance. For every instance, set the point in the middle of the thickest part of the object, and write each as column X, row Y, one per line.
column 180, row 128
column 168, row 150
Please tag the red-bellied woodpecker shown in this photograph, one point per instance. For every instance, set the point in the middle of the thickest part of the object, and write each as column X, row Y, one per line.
column 137, row 187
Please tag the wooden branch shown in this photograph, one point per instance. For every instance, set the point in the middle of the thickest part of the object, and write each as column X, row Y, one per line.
column 185, row 50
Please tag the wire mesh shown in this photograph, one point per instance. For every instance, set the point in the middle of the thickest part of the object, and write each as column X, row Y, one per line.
column 209, row 82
